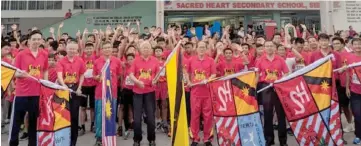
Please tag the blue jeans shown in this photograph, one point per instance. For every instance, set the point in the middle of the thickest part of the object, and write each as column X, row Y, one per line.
column 356, row 110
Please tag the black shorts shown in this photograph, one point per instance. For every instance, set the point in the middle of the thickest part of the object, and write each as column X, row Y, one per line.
column 342, row 97
column 88, row 91
column 127, row 96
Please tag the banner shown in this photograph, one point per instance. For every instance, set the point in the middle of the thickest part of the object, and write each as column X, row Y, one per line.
column 177, row 106
column 308, row 97
column 7, row 74
column 53, row 127
column 235, row 110
column 109, row 107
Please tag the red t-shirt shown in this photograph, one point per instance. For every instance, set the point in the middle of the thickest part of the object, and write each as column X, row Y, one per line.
column 115, row 71
column 185, row 66
column 89, row 64
column 344, row 61
column 52, row 74
column 301, row 62
column 71, row 70
column 198, row 71
column 145, row 71
column 33, row 65
column 355, row 83
column 127, row 82
column 269, row 71
column 227, row 68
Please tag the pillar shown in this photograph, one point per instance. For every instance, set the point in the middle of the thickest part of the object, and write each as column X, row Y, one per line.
column 276, row 16
column 160, row 14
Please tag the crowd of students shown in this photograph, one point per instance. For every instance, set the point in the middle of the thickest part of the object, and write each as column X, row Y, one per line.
column 136, row 58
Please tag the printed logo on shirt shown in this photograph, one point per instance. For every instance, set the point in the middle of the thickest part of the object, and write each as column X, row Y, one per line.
column 70, row 77
column 271, row 75
column 199, row 75
column 228, row 71
column 89, row 64
column 34, row 70
column 145, row 74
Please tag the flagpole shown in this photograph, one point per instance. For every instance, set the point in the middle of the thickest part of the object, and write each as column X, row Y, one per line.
column 347, row 66
column 269, row 86
column 166, row 61
column 36, row 79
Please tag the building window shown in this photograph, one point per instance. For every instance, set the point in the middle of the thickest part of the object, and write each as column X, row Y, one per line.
column 45, row 5
column 5, row 5
column 99, row 4
column 8, row 22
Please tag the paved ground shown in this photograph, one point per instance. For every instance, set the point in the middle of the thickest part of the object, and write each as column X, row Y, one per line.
column 162, row 139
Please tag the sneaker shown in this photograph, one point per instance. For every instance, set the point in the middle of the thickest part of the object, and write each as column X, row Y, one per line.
column 208, row 143
column 152, row 143
column 126, row 134
column 81, row 132
column 289, row 131
column 24, row 136
column 120, row 131
column 357, row 141
column 165, row 128
column 98, row 143
column 275, row 126
column 349, row 128
column 136, row 143
column 194, row 144
column 92, row 129
column 159, row 125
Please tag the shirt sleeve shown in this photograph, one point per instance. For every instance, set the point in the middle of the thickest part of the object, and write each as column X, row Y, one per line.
column 82, row 67
column 285, row 69
column 95, row 69
column 132, row 68
column 18, row 62
column 59, row 67
column 213, row 67
column 46, row 63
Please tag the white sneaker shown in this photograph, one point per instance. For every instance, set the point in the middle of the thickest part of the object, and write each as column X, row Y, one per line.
column 349, row 128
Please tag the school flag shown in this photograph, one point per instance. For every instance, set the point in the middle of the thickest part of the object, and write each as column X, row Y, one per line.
column 53, row 127
column 109, row 107
column 235, row 110
column 7, row 74
column 306, row 97
column 177, row 106
column 356, row 72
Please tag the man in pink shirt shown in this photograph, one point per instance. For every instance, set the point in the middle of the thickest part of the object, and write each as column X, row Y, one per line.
column 115, row 72
column 353, row 88
column 142, row 72
column 201, row 68
column 34, row 62
column 70, row 71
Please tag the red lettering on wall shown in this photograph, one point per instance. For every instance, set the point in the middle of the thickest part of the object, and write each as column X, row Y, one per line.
column 290, row 5
column 190, row 5
column 315, row 5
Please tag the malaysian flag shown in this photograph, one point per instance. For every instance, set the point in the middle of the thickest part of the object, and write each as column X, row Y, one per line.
column 108, row 109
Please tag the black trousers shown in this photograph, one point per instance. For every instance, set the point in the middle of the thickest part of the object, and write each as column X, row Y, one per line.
column 188, row 107
column 74, row 115
column 21, row 105
column 144, row 101
column 270, row 101
column 127, row 101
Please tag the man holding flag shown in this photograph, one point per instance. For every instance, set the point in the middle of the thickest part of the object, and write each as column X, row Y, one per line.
column 272, row 67
column 143, row 72
column 106, row 71
column 353, row 87
column 70, row 71
column 201, row 68
column 33, row 62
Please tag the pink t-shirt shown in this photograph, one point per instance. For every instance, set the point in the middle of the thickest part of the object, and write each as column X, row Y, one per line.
column 198, row 71
column 33, row 65
column 355, row 82
column 145, row 71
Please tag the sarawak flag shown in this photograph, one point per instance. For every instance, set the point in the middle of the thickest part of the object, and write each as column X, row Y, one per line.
column 53, row 127
column 306, row 98
column 177, row 106
column 109, row 107
column 7, row 74
column 235, row 110
column 356, row 72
